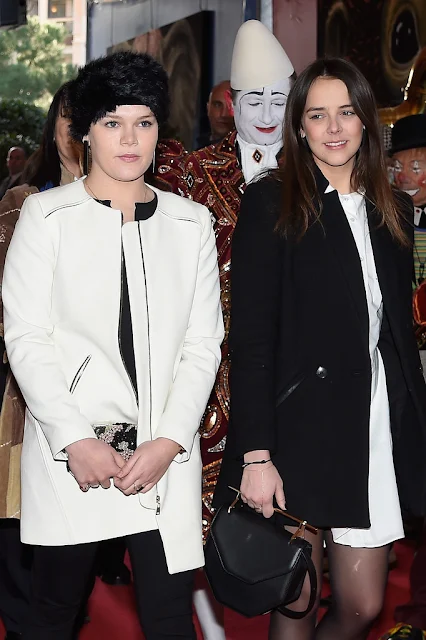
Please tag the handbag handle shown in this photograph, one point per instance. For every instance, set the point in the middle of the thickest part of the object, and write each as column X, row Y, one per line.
column 303, row 524
column 296, row 615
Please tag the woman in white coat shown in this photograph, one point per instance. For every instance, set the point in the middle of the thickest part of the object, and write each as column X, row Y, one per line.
column 113, row 330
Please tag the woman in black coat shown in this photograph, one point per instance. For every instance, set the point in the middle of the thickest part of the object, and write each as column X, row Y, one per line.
column 328, row 402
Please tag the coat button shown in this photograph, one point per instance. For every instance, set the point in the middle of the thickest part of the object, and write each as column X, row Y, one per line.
column 321, row 372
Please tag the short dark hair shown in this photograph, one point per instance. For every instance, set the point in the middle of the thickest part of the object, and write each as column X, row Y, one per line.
column 121, row 78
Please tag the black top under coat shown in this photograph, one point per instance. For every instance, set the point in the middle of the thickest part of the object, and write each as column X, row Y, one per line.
column 143, row 211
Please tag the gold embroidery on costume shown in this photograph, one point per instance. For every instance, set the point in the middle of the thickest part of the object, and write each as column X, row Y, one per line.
column 212, row 177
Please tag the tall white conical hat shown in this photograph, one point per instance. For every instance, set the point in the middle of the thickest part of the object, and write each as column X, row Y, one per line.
column 258, row 59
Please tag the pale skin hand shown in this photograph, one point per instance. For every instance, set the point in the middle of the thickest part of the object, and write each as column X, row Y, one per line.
column 260, row 483
column 93, row 462
column 146, row 466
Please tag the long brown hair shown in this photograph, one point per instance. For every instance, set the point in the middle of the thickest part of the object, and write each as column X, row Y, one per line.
column 301, row 202
column 44, row 166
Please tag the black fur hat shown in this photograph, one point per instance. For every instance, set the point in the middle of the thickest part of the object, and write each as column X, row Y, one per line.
column 120, row 78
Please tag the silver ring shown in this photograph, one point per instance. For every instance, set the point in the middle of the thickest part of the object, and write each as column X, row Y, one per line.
column 138, row 487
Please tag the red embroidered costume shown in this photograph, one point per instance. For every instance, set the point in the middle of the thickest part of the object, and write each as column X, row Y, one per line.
column 211, row 176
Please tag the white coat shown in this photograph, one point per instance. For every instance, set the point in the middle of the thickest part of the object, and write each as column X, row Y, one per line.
column 62, row 296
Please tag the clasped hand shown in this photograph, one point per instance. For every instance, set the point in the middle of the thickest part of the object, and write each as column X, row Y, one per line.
column 94, row 463
column 147, row 466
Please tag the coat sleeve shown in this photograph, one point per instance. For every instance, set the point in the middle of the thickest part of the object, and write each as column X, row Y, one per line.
column 201, row 353
column 257, row 254
column 27, row 296
column 10, row 206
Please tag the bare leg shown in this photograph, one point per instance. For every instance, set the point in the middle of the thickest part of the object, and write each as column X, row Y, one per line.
column 283, row 628
column 358, row 580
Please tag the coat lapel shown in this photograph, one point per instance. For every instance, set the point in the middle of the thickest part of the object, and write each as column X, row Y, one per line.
column 339, row 235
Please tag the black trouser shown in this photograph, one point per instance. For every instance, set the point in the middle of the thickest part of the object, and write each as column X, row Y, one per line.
column 15, row 564
column 61, row 574
column 110, row 557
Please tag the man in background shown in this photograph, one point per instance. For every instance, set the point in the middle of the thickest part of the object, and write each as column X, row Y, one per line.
column 15, row 161
column 219, row 111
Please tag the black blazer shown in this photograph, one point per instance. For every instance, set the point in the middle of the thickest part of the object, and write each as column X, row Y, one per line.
column 300, row 363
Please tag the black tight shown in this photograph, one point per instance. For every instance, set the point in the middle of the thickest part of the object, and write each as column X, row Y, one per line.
column 283, row 628
column 358, row 581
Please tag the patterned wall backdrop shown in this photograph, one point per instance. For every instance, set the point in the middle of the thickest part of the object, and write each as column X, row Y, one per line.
column 382, row 37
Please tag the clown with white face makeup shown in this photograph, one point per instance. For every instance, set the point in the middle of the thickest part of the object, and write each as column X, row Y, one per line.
column 259, row 114
column 261, row 77
column 216, row 176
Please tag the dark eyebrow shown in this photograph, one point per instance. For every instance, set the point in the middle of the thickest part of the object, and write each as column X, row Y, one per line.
column 279, row 93
column 254, row 93
column 344, row 106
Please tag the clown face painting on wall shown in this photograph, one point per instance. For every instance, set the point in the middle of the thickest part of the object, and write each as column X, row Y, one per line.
column 382, row 37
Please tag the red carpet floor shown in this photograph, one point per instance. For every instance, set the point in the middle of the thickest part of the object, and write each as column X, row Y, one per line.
column 113, row 615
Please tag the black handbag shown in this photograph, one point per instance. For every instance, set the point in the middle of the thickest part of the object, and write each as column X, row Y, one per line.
column 254, row 566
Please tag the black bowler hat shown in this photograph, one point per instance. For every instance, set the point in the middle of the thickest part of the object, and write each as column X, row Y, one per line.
column 408, row 133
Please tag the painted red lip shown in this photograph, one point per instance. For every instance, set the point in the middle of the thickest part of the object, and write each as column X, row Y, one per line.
column 266, row 129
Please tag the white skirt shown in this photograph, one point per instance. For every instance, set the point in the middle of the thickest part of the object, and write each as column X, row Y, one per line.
column 385, row 511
